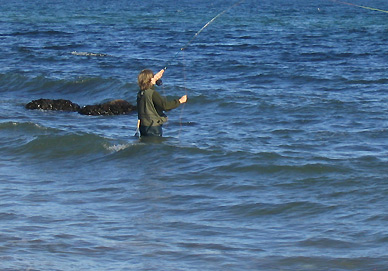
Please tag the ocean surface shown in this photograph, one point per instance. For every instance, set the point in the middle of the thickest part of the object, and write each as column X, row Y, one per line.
column 279, row 160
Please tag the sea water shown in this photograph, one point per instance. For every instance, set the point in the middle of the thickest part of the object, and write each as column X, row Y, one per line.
column 277, row 162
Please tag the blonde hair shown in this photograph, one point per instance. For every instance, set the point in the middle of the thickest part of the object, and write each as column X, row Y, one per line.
column 144, row 79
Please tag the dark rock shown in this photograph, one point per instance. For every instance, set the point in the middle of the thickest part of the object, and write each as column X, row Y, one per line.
column 115, row 107
column 48, row 104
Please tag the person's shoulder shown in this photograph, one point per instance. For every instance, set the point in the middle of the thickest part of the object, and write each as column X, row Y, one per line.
column 155, row 92
column 149, row 91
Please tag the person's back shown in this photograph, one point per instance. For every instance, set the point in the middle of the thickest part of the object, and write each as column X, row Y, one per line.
column 151, row 105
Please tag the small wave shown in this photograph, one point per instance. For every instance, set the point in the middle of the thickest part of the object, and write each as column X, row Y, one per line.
column 327, row 243
column 267, row 209
column 313, row 168
column 79, row 89
column 8, row 216
column 19, row 133
column 368, row 82
column 15, row 131
column 75, row 53
column 38, row 33
column 55, row 146
column 24, row 126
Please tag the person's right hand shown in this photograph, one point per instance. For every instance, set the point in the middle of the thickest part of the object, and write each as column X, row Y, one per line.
column 183, row 99
column 157, row 76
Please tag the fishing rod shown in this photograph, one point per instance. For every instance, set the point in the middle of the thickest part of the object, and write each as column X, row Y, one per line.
column 364, row 7
column 196, row 34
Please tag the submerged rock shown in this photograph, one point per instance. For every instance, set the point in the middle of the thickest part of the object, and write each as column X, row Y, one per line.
column 48, row 104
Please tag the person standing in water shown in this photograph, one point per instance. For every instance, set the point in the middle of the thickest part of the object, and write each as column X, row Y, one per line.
column 151, row 105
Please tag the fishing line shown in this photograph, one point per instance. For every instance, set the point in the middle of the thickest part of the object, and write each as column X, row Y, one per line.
column 364, row 7
column 187, row 44
column 196, row 34
column 186, row 92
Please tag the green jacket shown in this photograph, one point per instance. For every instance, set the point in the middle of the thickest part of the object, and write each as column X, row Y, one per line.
column 151, row 107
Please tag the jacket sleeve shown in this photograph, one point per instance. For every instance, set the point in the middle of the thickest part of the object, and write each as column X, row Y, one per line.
column 162, row 103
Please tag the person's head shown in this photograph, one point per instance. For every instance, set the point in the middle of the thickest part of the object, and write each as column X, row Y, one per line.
column 144, row 79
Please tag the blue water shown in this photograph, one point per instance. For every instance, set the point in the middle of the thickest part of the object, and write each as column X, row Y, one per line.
column 277, row 162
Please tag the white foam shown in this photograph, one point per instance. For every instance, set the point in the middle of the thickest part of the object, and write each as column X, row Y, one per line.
column 116, row 148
